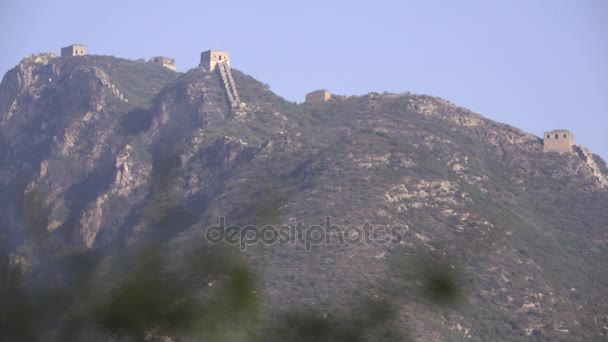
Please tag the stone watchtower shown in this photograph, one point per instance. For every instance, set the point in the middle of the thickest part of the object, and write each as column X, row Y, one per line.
column 74, row 50
column 214, row 60
column 167, row 62
column 318, row 96
column 559, row 140
column 209, row 59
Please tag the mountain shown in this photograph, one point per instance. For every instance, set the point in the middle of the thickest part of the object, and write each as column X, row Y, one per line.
column 489, row 237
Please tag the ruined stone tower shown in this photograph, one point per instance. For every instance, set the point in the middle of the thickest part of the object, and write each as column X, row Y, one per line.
column 318, row 96
column 214, row 60
column 74, row 50
column 559, row 140
column 168, row 63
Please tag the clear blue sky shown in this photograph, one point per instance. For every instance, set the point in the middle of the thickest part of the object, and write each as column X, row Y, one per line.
column 536, row 65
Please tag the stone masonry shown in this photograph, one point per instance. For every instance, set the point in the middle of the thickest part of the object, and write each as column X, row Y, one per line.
column 74, row 50
column 164, row 61
column 559, row 140
column 213, row 60
column 210, row 58
column 318, row 96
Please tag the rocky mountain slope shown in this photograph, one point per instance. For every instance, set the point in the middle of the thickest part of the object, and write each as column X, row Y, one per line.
column 100, row 153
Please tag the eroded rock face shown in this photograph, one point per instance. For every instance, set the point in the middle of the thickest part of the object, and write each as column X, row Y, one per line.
column 130, row 174
column 91, row 220
column 110, row 170
column 59, row 119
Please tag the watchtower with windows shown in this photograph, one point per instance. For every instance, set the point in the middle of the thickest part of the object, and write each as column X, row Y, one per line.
column 210, row 58
column 74, row 50
column 559, row 140
column 214, row 60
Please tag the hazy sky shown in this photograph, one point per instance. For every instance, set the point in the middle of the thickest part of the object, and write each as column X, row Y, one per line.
column 537, row 65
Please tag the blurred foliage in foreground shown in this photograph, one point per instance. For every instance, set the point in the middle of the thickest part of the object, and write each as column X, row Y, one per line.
column 127, row 296
column 142, row 293
column 135, row 296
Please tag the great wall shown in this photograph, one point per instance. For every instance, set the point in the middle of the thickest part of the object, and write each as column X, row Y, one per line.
column 560, row 141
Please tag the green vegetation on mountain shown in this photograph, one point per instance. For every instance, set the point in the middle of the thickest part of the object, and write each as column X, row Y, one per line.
column 103, row 229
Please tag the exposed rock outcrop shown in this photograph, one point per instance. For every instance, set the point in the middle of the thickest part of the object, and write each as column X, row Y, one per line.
column 525, row 226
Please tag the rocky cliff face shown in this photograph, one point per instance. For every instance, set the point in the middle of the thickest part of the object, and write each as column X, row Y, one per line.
column 98, row 151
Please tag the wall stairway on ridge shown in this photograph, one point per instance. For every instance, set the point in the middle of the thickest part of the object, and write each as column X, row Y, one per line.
column 233, row 96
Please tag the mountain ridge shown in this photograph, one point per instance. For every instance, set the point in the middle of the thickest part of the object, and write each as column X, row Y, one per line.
column 87, row 170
